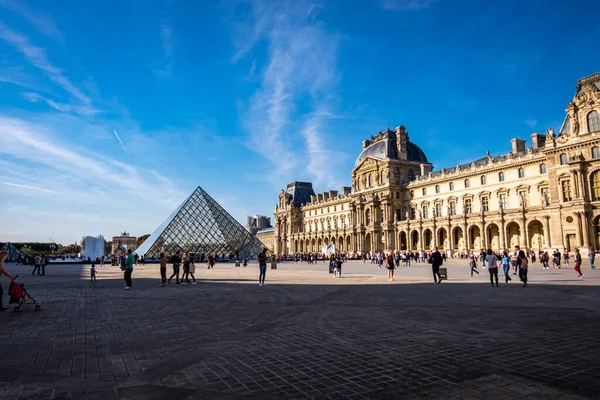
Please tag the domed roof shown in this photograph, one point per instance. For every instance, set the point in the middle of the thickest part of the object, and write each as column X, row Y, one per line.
column 385, row 149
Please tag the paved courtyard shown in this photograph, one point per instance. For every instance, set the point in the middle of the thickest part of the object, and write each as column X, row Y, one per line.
column 304, row 335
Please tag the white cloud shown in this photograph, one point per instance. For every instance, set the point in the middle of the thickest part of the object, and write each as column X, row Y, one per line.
column 301, row 66
column 165, row 35
column 120, row 141
column 67, row 108
column 40, row 22
column 37, row 57
column 17, row 185
column 406, row 5
column 531, row 123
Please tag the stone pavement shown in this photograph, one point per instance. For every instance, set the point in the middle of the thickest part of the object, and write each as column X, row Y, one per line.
column 304, row 335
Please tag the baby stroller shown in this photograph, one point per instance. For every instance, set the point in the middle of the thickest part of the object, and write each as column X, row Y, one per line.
column 18, row 296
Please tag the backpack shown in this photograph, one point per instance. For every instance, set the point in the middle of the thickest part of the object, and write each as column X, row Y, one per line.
column 524, row 263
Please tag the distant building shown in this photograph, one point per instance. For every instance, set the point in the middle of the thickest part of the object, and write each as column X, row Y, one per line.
column 92, row 247
column 120, row 244
column 267, row 237
column 257, row 222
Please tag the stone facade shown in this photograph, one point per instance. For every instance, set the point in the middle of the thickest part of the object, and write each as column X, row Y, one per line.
column 257, row 222
column 542, row 197
column 267, row 237
column 123, row 242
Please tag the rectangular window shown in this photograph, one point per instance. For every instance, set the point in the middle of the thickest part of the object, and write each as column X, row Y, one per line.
column 452, row 208
column 503, row 200
column 398, row 214
column 485, row 204
column 425, row 212
column 413, row 213
column 566, row 190
column 438, row 210
column 468, row 204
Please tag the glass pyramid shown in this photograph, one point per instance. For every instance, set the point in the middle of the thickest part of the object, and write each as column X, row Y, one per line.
column 13, row 252
column 201, row 226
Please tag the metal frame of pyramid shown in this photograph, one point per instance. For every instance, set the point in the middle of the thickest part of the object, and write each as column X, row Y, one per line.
column 201, row 226
column 13, row 252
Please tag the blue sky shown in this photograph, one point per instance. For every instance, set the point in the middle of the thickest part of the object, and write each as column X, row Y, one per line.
column 112, row 112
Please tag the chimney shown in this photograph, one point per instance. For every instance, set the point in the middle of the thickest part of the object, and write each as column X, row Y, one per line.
column 538, row 140
column 518, row 145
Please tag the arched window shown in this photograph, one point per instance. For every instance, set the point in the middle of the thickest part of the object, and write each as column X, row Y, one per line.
column 437, row 188
column 383, row 177
column 451, row 185
column 501, row 176
column 593, row 120
column 411, row 175
column 370, row 180
column 424, row 190
column 397, row 176
column 358, row 183
column 542, row 168
column 521, row 172
column 563, row 159
column 595, row 182
column 483, row 180
column 466, row 183
column 595, row 152
column 412, row 194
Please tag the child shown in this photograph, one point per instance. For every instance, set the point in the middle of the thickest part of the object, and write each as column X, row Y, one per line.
column 93, row 279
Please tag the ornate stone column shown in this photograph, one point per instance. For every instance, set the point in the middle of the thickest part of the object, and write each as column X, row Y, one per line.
column 581, row 184
column 574, row 183
column 466, row 237
column 578, row 232
column 547, row 235
column 586, row 229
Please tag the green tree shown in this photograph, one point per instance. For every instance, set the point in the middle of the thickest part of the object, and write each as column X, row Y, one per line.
column 141, row 240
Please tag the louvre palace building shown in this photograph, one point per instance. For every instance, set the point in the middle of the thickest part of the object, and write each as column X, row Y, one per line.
column 541, row 197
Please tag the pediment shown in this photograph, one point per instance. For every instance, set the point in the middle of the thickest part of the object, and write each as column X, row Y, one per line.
column 367, row 163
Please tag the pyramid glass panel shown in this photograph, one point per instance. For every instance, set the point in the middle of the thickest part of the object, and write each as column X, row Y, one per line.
column 13, row 252
column 201, row 226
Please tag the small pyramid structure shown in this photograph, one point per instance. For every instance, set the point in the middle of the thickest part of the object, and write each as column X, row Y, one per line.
column 201, row 226
column 13, row 252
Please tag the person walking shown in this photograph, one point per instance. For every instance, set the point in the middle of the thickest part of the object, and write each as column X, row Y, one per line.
column 338, row 267
column 473, row 264
column 3, row 257
column 436, row 261
column 185, row 260
column 492, row 266
column 591, row 257
column 578, row 264
column 390, row 265
column 129, row 269
column 522, row 264
column 44, row 264
column 176, row 261
column 245, row 263
column 37, row 264
column 211, row 261
column 163, row 270
column 93, row 272
column 262, row 267
column 506, row 267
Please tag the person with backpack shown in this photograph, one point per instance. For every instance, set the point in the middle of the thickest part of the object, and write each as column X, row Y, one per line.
column 436, row 261
column 505, row 262
column 578, row 264
column 492, row 266
column 522, row 265
column 3, row 257
column 129, row 269
column 37, row 264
